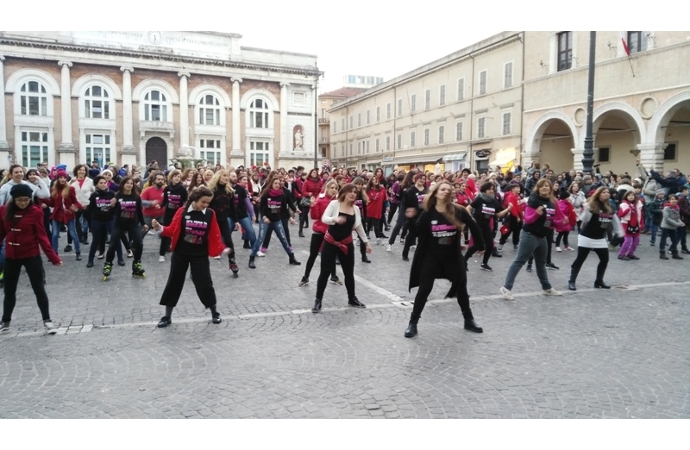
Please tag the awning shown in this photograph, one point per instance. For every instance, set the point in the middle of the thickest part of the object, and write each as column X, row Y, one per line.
column 418, row 159
column 455, row 157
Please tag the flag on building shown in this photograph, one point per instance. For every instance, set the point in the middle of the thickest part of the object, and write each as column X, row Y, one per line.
column 625, row 43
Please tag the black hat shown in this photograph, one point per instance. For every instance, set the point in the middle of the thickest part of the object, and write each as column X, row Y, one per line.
column 21, row 190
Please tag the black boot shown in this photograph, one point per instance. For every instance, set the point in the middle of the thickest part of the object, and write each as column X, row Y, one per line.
column 411, row 330
column 293, row 261
column 571, row 281
column 251, row 263
column 367, row 260
column 599, row 284
column 675, row 255
column 246, row 245
column 471, row 325
column 662, row 254
column 317, row 306
column 355, row 303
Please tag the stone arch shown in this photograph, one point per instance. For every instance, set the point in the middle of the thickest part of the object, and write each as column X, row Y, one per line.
column 536, row 132
column 260, row 93
column 598, row 116
column 17, row 79
column 137, row 93
column 203, row 89
column 80, row 85
column 663, row 115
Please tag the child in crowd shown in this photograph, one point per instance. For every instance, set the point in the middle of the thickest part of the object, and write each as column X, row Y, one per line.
column 657, row 210
column 632, row 221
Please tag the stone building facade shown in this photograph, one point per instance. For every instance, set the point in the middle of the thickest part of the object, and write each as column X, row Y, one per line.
column 133, row 97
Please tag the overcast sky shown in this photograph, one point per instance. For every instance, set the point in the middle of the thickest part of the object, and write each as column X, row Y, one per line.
column 374, row 37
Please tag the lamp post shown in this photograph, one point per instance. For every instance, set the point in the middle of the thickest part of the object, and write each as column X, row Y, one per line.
column 588, row 153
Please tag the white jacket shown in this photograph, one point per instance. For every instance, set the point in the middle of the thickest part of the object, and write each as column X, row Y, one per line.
column 40, row 190
column 84, row 191
column 333, row 210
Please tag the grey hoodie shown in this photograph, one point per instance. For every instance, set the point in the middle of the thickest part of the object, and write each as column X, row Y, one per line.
column 671, row 218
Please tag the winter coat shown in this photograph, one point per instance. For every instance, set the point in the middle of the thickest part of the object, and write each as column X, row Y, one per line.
column 25, row 235
column 62, row 206
column 626, row 211
column 317, row 210
column 84, row 191
column 578, row 201
column 671, row 217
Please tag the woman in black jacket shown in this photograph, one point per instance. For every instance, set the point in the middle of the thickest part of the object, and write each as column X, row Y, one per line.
column 439, row 255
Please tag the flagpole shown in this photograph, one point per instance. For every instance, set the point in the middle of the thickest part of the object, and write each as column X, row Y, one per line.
column 631, row 67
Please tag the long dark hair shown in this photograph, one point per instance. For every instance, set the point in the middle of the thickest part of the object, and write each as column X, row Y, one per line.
column 450, row 209
column 196, row 194
column 121, row 190
column 407, row 181
column 11, row 209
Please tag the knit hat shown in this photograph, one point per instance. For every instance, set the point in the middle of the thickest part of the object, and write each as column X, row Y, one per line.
column 61, row 167
column 21, row 190
column 662, row 192
column 61, row 173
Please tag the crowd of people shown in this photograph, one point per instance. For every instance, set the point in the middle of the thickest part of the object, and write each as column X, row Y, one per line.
column 445, row 218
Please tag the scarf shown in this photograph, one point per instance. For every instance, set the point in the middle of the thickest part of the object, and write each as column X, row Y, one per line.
column 274, row 193
column 486, row 197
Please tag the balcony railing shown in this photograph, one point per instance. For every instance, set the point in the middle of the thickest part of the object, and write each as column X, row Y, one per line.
column 323, row 121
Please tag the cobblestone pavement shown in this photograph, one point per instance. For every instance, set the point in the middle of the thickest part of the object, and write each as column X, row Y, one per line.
column 622, row 353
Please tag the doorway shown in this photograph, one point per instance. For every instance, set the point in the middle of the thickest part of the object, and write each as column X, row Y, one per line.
column 157, row 149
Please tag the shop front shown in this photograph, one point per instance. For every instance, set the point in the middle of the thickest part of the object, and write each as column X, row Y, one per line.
column 504, row 159
column 481, row 160
column 455, row 162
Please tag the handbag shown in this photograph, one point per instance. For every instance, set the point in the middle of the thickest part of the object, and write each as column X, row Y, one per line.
column 633, row 225
column 304, row 202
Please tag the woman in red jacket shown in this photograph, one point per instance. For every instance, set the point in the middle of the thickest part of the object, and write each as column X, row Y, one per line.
column 195, row 236
column 318, row 206
column 514, row 220
column 21, row 223
column 375, row 209
column 63, row 200
column 310, row 188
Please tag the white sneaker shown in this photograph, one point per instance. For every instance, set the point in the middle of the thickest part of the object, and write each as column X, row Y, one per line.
column 389, row 248
column 507, row 294
column 569, row 249
column 551, row 292
column 161, row 259
column 378, row 241
column 4, row 327
column 49, row 325
column 260, row 254
column 558, row 249
column 500, row 248
column 412, row 247
column 357, row 242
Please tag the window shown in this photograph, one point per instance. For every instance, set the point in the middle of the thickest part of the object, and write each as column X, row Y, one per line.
column 482, row 82
column 342, row 124
column 155, row 106
column 637, row 41
column 413, row 103
column 604, row 154
column 461, row 89
column 259, row 153
column 335, row 127
column 565, row 50
column 368, row 117
column 388, row 110
column 210, row 150
column 258, row 115
column 96, row 103
column 350, row 149
column 441, row 132
column 342, row 150
column 426, row 136
column 481, row 123
column 458, row 131
column 97, row 147
column 388, row 143
column 377, row 147
column 34, row 100
column 508, row 75
column 442, row 95
column 367, row 142
column 359, row 148
column 209, row 110
column 359, row 119
column 506, row 123
column 413, row 136
column 670, row 152
column 427, row 99
column 34, row 147
column 378, row 114
column 400, row 102
column 399, row 141
column 351, row 122
column 323, row 113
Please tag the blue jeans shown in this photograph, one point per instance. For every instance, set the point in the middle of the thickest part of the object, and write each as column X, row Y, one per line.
column 277, row 228
column 70, row 229
column 655, row 229
column 249, row 233
column 529, row 245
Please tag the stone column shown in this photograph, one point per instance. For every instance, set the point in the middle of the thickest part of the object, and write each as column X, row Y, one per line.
column 4, row 145
column 66, row 149
column 577, row 157
column 285, row 134
column 129, row 152
column 236, row 144
column 652, row 155
column 184, row 114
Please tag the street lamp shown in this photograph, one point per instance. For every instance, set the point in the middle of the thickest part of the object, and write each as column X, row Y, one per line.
column 314, row 71
column 588, row 153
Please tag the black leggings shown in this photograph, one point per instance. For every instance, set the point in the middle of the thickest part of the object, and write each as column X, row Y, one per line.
column 303, row 218
column 374, row 224
column 226, row 235
column 488, row 235
column 514, row 228
column 347, row 262
column 34, row 268
column 562, row 235
column 314, row 247
column 583, row 252
column 134, row 232
column 411, row 237
column 391, row 212
column 201, row 277
column 429, row 271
